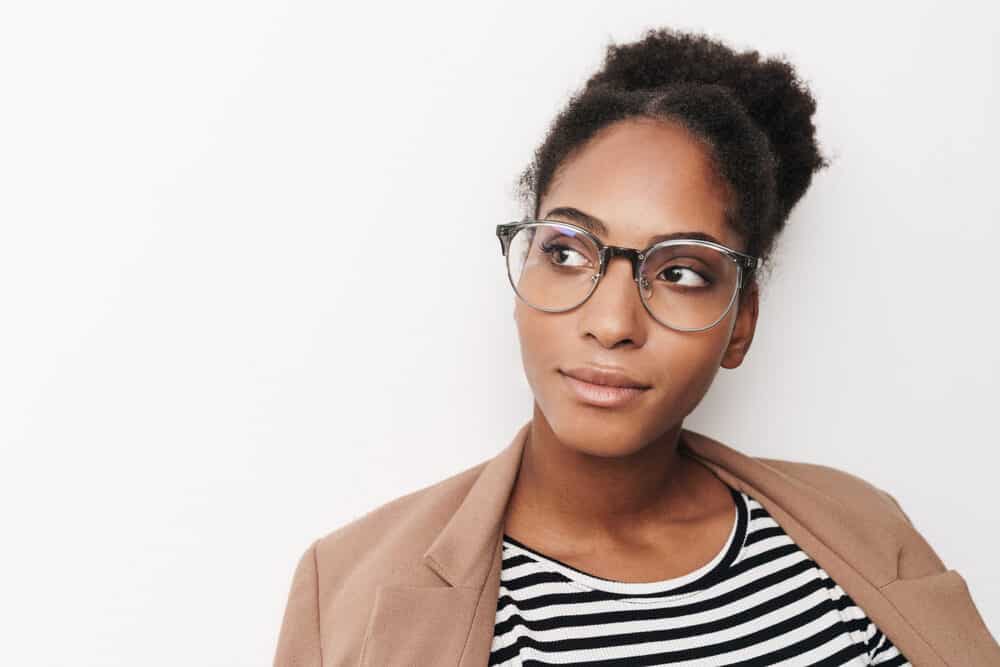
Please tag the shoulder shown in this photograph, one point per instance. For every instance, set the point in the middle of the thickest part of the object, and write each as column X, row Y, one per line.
column 396, row 533
column 794, row 480
column 847, row 488
column 338, row 575
column 859, row 500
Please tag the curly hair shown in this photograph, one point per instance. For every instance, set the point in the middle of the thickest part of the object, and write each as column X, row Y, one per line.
column 753, row 115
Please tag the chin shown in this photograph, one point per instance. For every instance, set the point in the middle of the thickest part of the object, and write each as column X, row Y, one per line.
column 596, row 431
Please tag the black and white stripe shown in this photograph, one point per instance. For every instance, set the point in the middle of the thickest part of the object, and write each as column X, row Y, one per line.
column 761, row 601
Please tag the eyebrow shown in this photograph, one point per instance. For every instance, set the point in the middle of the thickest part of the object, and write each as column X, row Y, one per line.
column 598, row 227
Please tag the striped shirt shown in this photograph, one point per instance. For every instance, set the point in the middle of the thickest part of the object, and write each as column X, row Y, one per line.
column 760, row 601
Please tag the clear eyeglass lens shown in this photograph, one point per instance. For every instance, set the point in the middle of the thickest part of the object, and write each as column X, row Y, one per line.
column 688, row 285
column 684, row 285
column 552, row 267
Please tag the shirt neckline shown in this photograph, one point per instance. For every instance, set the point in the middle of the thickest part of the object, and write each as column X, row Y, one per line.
column 680, row 587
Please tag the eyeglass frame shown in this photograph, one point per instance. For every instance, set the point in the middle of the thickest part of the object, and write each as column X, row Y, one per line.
column 746, row 265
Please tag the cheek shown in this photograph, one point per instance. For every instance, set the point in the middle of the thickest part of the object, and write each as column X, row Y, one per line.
column 685, row 363
column 698, row 358
column 540, row 335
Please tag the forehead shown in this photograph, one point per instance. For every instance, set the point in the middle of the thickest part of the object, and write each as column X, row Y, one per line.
column 644, row 177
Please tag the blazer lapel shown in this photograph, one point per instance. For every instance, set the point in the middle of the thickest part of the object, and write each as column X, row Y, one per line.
column 451, row 624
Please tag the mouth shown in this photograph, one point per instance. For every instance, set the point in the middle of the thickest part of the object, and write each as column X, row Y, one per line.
column 603, row 395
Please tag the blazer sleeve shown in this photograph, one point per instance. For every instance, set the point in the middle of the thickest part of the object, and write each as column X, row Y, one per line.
column 299, row 636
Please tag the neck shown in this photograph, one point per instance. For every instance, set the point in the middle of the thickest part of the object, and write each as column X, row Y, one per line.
column 563, row 490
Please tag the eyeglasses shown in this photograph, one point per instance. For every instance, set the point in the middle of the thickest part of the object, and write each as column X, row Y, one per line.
column 685, row 284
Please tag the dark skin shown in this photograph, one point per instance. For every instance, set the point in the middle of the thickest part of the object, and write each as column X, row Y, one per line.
column 605, row 489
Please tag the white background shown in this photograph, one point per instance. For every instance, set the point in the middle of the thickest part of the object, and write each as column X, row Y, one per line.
column 220, row 337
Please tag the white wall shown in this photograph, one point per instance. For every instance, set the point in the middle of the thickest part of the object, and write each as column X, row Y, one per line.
column 218, row 341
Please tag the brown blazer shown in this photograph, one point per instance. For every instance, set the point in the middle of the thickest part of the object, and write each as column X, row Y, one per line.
column 415, row 581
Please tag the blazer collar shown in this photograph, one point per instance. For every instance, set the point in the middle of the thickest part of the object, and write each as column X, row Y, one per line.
column 453, row 624
column 460, row 553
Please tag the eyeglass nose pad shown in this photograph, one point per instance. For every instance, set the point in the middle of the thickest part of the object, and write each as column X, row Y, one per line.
column 645, row 287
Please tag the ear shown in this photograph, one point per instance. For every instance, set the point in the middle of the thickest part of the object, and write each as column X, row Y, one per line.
column 744, row 327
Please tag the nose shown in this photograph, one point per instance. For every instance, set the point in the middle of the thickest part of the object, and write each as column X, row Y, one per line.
column 614, row 313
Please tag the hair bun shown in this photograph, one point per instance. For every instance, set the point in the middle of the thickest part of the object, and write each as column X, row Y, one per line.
column 768, row 89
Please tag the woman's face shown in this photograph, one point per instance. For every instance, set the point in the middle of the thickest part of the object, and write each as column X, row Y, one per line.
column 641, row 178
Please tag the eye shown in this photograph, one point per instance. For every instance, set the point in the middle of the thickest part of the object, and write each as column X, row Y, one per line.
column 678, row 272
column 577, row 258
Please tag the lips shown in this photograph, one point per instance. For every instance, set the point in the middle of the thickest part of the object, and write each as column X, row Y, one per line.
column 604, row 377
column 623, row 391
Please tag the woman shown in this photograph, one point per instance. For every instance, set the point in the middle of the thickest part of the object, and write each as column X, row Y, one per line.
column 606, row 533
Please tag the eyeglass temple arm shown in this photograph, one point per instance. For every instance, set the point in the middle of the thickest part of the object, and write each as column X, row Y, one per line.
column 750, row 265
